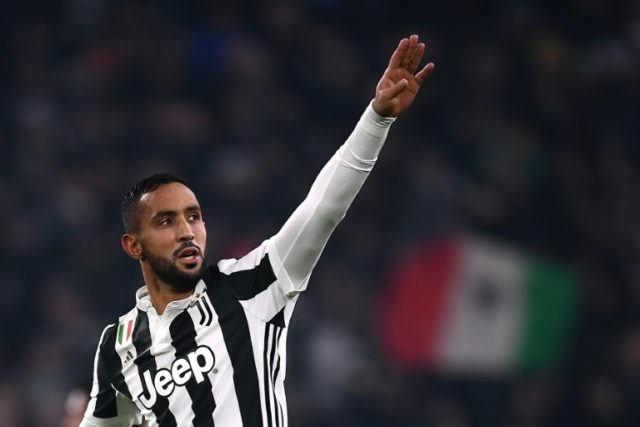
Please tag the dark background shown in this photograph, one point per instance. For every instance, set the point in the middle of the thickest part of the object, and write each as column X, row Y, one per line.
column 525, row 133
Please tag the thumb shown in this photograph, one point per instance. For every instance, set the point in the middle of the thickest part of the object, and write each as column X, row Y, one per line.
column 387, row 94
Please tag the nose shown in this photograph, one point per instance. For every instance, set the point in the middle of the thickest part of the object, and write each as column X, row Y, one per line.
column 185, row 233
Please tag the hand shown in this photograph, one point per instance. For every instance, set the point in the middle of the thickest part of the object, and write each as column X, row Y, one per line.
column 399, row 84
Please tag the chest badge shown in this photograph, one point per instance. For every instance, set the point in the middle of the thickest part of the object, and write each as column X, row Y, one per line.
column 124, row 331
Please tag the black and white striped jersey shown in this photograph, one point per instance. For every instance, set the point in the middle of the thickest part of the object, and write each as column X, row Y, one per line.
column 218, row 357
column 215, row 358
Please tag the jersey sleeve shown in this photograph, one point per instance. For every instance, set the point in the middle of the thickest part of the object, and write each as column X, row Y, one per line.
column 107, row 407
column 273, row 274
column 296, row 248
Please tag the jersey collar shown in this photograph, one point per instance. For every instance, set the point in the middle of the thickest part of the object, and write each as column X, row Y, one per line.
column 143, row 301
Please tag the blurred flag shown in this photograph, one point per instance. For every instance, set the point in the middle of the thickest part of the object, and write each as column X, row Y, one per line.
column 466, row 305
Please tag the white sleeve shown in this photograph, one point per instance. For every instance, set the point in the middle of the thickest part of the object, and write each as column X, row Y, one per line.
column 295, row 249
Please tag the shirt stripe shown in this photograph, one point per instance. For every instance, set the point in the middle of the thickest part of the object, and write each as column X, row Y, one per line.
column 246, row 284
column 235, row 330
column 146, row 362
column 266, row 379
column 106, row 398
column 113, row 364
column 183, row 334
column 275, row 371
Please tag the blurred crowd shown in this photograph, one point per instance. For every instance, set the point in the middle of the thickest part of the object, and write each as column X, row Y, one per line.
column 524, row 133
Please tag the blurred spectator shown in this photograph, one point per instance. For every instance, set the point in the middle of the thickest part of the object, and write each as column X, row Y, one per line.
column 74, row 406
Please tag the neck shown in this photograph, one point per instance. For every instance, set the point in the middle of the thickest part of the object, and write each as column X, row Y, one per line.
column 160, row 293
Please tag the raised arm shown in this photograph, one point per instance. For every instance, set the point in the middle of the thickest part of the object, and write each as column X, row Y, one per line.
column 296, row 248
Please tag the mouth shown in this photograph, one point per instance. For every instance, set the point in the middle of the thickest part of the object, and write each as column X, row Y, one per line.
column 189, row 256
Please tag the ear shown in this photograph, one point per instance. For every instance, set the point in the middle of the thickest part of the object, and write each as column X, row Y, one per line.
column 131, row 245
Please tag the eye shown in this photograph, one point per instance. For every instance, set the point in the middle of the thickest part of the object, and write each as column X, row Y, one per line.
column 194, row 217
column 165, row 221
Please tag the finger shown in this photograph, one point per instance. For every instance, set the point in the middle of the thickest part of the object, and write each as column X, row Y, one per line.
column 399, row 53
column 413, row 66
column 411, row 51
column 393, row 91
column 422, row 74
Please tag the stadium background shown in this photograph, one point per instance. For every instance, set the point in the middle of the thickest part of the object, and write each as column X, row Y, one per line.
column 524, row 134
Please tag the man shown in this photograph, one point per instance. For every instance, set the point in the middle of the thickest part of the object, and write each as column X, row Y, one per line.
column 205, row 345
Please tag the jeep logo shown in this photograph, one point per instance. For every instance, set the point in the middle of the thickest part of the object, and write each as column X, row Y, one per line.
column 195, row 364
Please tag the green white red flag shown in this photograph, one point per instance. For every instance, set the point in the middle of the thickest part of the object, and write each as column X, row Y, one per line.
column 124, row 331
column 466, row 305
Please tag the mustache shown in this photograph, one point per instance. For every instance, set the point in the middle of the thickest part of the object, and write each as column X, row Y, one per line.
column 186, row 245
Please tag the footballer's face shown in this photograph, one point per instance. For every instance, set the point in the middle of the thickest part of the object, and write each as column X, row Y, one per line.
column 172, row 235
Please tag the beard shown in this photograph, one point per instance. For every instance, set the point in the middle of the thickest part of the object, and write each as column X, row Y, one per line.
column 168, row 272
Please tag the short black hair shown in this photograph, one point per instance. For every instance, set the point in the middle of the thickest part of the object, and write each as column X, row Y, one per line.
column 129, row 208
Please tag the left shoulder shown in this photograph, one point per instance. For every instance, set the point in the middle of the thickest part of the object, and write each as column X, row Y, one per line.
column 247, row 262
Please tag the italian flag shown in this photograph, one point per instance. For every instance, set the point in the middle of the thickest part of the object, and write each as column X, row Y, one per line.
column 466, row 305
column 124, row 331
